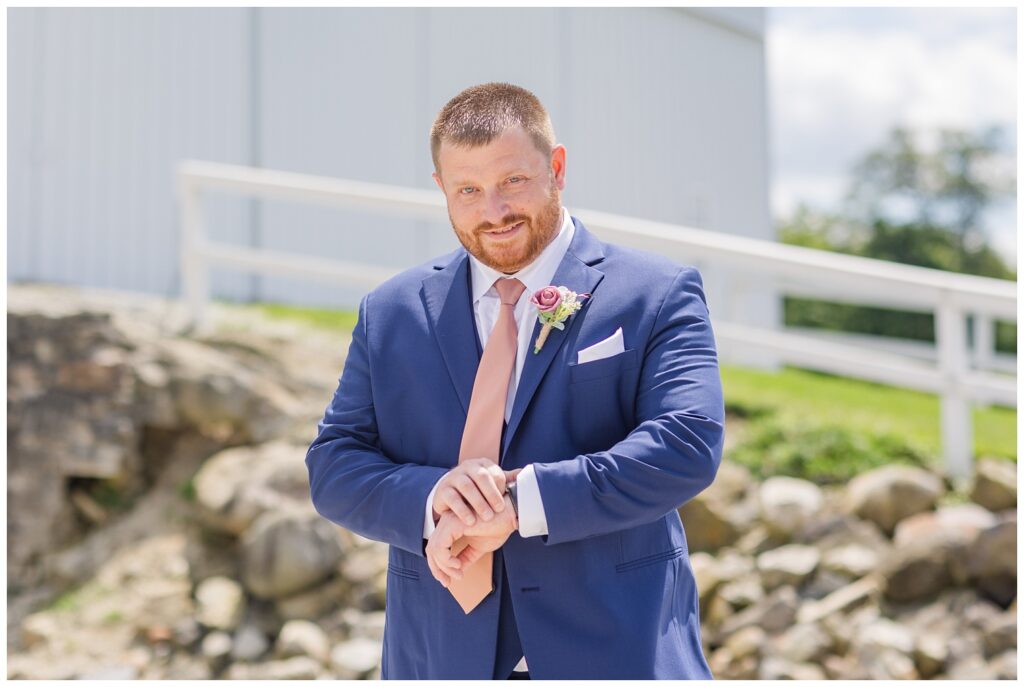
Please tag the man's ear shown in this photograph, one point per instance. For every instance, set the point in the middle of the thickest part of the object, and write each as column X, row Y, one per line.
column 558, row 165
column 437, row 178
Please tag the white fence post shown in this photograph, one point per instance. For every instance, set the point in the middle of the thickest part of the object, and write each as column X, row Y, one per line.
column 984, row 340
column 955, row 415
column 195, row 280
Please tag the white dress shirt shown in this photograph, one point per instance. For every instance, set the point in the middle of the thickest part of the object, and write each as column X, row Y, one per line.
column 486, row 307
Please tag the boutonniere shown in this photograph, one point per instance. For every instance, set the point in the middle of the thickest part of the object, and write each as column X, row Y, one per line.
column 554, row 306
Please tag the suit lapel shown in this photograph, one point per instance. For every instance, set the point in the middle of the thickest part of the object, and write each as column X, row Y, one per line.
column 575, row 273
column 446, row 298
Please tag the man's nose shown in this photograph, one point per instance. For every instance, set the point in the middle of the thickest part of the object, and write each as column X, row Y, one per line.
column 495, row 210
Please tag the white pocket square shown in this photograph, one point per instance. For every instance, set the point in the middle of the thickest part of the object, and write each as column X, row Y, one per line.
column 602, row 349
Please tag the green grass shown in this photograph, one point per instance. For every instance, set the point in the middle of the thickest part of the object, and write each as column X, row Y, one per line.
column 323, row 318
column 800, row 396
column 805, row 405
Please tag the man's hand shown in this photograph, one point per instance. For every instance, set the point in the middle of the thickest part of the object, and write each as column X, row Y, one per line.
column 482, row 537
column 473, row 489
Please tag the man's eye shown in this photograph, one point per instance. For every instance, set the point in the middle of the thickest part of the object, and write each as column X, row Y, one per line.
column 464, row 189
column 514, row 179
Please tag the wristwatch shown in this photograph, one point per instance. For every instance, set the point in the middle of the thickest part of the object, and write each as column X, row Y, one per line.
column 510, row 489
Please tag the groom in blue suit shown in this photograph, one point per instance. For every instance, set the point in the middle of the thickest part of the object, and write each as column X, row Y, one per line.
column 613, row 424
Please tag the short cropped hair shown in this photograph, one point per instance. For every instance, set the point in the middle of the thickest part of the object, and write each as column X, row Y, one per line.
column 479, row 114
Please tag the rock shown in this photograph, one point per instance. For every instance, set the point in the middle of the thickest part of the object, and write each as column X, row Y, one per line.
column 732, row 566
column 708, row 523
column 725, row 666
column 803, row 643
column 186, row 632
column 315, row 602
column 886, row 634
column 787, row 565
column 924, row 567
column 220, row 603
column 742, row 592
column 216, row 647
column 775, row 668
column 840, row 601
column 999, row 633
column 788, row 504
column 992, row 561
column 888, row 494
column 823, row 583
column 758, row 540
column 930, row 654
column 852, row 560
column 884, row 648
column 773, row 613
column 364, row 565
column 41, row 628
column 114, row 672
column 249, row 643
column 1005, row 665
column 705, row 572
column 355, row 658
column 302, row 638
column 994, row 485
column 971, row 668
column 746, row 641
column 369, row 625
column 967, row 519
column 286, row 552
column 841, row 668
column 295, row 668
column 237, row 485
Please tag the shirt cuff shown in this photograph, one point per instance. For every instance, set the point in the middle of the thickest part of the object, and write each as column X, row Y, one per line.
column 428, row 518
column 532, row 520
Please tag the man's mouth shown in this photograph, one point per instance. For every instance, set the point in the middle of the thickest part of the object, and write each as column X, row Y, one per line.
column 507, row 231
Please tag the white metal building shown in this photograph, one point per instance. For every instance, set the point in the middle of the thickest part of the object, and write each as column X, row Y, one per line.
column 662, row 111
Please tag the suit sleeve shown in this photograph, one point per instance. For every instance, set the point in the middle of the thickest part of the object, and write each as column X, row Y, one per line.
column 351, row 482
column 674, row 451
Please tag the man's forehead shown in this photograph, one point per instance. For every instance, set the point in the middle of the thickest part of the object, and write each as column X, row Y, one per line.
column 464, row 163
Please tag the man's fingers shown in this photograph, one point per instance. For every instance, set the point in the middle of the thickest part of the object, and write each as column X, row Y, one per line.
column 453, row 501
column 490, row 481
column 511, row 475
column 438, row 575
column 470, row 555
column 469, row 491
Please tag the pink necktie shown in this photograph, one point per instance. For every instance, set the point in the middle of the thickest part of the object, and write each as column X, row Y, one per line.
column 481, row 437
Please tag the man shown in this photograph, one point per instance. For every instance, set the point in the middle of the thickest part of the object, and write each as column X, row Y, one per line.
column 608, row 428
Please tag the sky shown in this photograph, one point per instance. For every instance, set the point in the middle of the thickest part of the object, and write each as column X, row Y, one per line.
column 840, row 78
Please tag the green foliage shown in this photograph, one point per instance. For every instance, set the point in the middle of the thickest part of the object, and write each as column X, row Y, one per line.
column 332, row 319
column 914, row 206
column 825, row 454
column 187, row 490
column 824, row 427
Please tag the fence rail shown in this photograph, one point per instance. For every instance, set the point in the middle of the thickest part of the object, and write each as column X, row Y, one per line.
column 960, row 375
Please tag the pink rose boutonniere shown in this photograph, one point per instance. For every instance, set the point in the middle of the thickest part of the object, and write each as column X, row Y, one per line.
column 554, row 306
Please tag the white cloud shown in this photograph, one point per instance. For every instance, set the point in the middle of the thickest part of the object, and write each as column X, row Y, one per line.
column 840, row 79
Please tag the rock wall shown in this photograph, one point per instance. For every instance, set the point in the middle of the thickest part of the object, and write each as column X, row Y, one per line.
column 159, row 525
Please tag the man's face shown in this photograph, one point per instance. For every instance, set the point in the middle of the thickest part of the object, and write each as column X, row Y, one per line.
column 504, row 199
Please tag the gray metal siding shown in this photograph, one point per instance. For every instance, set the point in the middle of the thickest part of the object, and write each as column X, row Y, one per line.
column 662, row 111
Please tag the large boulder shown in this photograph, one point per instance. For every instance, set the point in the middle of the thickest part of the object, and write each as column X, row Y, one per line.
column 237, row 485
column 992, row 561
column 792, row 565
column 285, row 552
column 887, row 495
column 788, row 504
column 994, row 485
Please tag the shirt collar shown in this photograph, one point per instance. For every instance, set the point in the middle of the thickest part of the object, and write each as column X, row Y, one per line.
column 534, row 276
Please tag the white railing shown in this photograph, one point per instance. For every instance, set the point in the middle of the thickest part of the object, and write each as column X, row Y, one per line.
column 750, row 263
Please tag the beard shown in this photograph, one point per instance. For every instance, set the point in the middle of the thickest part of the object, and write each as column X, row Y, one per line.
column 536, row 233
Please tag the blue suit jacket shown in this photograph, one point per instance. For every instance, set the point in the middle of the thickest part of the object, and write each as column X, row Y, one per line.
column 618, row 445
